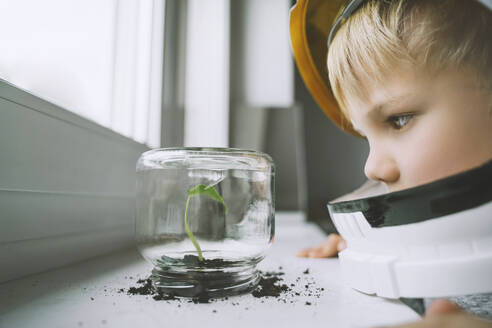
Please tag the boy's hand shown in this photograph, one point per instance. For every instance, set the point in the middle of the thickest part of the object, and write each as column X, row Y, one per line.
column 334, row 244
column 329, row 248
column 445, row 314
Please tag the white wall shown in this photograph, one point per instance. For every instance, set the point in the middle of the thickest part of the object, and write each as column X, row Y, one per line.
column 262, row 67
column 269, row 67
column 207, row 74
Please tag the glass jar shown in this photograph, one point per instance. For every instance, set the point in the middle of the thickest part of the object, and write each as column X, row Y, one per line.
column 204, row 218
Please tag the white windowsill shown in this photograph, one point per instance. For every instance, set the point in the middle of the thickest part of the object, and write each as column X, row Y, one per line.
column 62, row 297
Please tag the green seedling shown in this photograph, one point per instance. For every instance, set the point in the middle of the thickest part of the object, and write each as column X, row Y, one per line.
column 204, row 190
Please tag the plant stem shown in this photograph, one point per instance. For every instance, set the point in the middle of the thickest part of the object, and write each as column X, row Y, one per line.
column 189, row 233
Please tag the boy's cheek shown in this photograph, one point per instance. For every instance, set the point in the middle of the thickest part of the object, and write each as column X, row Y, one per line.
column 419, row 167
column 436, row 155
column 417, row 159
column 427, row 154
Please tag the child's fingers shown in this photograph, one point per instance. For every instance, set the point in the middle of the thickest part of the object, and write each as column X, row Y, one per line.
column 309, row 252
column 341, row 245
column 303, row 253
column 442, row 307
column 314, row 252
column 329, row 248
column 322, row 253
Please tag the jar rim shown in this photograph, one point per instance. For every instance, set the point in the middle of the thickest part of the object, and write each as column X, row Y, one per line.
column 259, row 158
column 217, row 150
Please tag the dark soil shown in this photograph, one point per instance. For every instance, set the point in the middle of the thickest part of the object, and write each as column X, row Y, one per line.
column 146, row 289
column 204, row 279
column 193, row 260
column 164, row 297
column 270, row 285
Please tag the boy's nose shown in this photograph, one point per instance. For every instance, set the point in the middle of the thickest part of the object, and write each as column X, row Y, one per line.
column 381, row 167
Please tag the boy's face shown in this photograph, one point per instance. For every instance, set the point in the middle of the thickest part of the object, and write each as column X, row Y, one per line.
column 423, row 128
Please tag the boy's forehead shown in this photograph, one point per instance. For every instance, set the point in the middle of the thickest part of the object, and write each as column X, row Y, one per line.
column 373, row 96
column 405, row 90
column 364, row 83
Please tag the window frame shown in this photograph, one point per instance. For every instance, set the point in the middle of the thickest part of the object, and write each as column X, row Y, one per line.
column 66, row 201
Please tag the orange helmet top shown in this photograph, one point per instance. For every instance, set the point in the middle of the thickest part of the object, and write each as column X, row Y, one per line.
column 310, row 25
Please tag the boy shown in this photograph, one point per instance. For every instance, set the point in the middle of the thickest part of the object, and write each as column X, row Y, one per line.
column 414, row 77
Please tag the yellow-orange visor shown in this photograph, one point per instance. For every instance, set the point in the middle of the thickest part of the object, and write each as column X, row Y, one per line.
column 310, row 24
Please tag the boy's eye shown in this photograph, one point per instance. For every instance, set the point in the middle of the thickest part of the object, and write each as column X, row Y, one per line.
column 397, row 122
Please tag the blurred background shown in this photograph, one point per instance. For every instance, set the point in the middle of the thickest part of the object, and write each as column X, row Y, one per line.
column 87, row 86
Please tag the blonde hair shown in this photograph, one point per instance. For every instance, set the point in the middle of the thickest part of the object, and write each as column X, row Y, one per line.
column 430, row 34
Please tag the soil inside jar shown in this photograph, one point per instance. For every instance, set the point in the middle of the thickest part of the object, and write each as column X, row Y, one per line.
column 203, row 279
column 193, row 260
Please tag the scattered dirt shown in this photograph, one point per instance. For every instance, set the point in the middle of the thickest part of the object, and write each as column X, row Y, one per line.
column 164, row 297
column 270, row 285
column 146, row 289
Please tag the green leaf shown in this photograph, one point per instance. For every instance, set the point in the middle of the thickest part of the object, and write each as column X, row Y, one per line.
column 208, row 191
